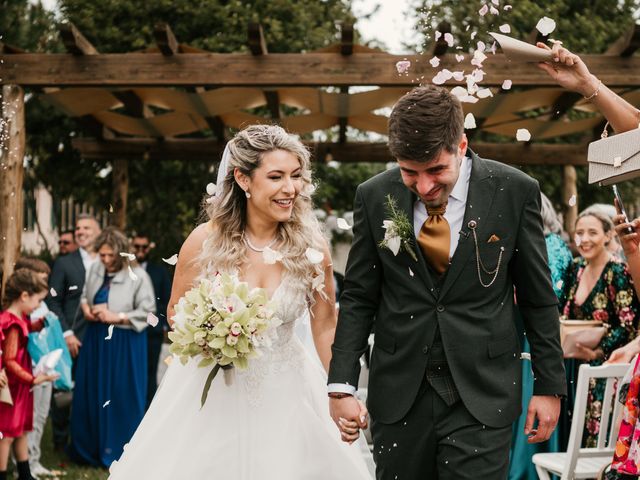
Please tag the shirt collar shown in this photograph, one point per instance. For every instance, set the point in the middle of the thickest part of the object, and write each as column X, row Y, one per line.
column 461, row 187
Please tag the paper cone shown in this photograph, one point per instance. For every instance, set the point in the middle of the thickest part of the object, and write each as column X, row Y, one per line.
column 518, row 51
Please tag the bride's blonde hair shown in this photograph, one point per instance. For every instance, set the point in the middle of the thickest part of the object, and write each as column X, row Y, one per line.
column 225, row 249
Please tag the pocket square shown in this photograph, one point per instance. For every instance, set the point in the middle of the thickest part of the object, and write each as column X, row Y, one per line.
column 493, row 238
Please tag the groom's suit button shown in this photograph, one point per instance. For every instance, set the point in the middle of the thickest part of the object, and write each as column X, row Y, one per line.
column 425, row 350
column 440, row 308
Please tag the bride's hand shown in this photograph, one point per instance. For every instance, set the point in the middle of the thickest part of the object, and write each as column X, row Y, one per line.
column 348, row 410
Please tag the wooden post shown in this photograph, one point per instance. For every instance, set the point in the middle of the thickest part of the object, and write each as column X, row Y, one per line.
column 569, row 191
column 12, row 148
column 120, row 176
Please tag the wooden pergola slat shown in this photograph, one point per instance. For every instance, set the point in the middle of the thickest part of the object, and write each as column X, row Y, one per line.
column 166, row 40
column 75, row 42
column 354, row 152
column 278, row 70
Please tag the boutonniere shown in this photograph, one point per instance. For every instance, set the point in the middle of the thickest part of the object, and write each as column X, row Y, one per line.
column 398, row 230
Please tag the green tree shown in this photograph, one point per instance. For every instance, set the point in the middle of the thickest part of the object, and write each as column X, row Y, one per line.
column 164, row 197
column 583, row 26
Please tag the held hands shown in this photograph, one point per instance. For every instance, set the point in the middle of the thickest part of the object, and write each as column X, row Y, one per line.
column 106, row 316
column 569, row 70
column 350, row 415
column 546, row 409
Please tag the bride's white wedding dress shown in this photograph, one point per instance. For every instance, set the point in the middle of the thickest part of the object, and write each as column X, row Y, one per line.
column 270, row 421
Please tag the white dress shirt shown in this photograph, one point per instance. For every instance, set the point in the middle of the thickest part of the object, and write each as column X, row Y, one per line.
column 87, row 259
column 454, row 214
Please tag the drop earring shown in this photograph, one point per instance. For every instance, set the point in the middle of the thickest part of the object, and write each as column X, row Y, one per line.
column 247, row 194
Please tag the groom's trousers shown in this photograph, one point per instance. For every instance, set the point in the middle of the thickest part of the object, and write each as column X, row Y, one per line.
column 439, row 439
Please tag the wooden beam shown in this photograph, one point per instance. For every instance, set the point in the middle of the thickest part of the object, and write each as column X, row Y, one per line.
column 12, row 149
column 440, row 46
column 257, row 43
column 165, row 39
column 343, row 119
column 278, row 70
column 563, row 104
column 570, row 189
column 119, row 192
column 133, row 104
column 627, row 44
column 4, row 48
column 74, row 41
column 346, row 39
column 273, row 102
column 355, row 152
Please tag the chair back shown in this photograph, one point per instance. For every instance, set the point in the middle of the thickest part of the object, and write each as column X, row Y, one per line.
column 609, row 420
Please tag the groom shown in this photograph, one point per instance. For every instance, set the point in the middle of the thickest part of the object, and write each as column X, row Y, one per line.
column 444, row 385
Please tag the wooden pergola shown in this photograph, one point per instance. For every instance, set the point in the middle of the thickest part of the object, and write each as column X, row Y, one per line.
column 176, row 101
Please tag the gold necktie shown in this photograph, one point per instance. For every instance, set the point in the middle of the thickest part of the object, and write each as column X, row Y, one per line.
column 435, row 239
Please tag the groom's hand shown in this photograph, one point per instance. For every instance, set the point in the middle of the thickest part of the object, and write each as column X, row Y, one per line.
column 350, row 415
column 546, row 409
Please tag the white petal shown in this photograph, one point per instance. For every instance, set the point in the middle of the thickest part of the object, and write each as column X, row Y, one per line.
column 473, row 35
column 130, row 256
column 53, row 292
column 437, row 36
column 484, row 10
column 546, row 25
column 469, row 121
column 109, row 332
column 506, row 28
column 403, row 66
column 270, row 256
column 469, row 99
column 484, row 93
column 523, row 135
column 506, row 85
column 459, row 58
column 449, row 39
column 507, row 7
column 132, row 275
column 459, row 92
column 439, row 79
column 496, row 2
column 394, row 244
column 211, row 188
column 572, row 201
column 435, row 61
column 410, row 272
column 458, row 76
column 343, row 224
column 152, row 319
column 106, row 403
column 73, row 287
column 387, row 224
column 172, row 260
column 314, row 256
column 494, row 10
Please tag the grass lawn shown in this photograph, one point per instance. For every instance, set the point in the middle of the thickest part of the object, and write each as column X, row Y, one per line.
column 61, row 464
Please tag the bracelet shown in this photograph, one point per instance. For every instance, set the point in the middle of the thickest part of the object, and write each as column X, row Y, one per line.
column 597, row 91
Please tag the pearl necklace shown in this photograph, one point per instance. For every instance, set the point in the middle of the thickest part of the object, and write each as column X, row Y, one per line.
column 257, row 249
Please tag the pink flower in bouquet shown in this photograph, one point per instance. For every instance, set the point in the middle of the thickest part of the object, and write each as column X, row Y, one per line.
column 626, row 316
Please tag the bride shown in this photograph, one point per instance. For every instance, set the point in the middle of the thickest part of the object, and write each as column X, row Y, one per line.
column 272, row 420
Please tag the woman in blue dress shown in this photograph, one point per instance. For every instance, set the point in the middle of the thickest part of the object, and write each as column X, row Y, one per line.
column 560, row 258
column 111, row 376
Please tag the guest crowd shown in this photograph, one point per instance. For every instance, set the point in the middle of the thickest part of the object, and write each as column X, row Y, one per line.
column 94, row 305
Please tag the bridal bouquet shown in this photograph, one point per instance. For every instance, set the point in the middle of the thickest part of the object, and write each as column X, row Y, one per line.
column 224, row 323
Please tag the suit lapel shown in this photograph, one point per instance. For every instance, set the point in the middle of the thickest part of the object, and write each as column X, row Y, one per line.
column 77, row 261
column 406, row 200
column 482, row 188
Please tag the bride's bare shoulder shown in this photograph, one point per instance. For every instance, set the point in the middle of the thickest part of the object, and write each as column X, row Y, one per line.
column 193, row 244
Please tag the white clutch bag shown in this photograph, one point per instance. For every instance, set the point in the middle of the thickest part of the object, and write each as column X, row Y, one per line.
column 615, row 158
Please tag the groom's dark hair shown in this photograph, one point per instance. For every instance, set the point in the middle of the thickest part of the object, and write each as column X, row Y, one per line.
column 423, row 122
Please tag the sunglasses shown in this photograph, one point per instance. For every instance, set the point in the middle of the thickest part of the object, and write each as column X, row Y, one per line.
column 140, row 247
column 64, row 242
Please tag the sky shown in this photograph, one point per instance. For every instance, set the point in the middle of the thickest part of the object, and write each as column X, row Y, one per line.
column 392, row 24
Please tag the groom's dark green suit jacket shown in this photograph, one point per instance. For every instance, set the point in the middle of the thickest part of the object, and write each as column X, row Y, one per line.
column 399, row 296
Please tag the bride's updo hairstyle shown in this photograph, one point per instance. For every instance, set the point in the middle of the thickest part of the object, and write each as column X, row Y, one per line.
column 225, row 248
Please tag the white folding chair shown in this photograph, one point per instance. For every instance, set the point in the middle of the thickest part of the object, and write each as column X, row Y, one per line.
column 576, row 462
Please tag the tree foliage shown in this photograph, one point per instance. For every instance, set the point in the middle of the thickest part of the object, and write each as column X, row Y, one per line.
column 583, row 27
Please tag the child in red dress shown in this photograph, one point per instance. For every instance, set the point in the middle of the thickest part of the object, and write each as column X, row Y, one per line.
column 23, row 293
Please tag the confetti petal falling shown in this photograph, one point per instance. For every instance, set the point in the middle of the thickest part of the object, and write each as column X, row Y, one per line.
column 506, row 85
column 152, row 320
column 53, row 292
column 129, row 256
column 403, row 66
column 469, row 121
column 343, row 224
column 546, row 25
column 572, row 201
column 314, row 256
column 211, row 188
column 506, row 28
column 523, row 135
column 172, row 260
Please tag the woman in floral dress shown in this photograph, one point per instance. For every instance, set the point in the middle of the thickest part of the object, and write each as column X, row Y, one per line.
column 597, row 287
